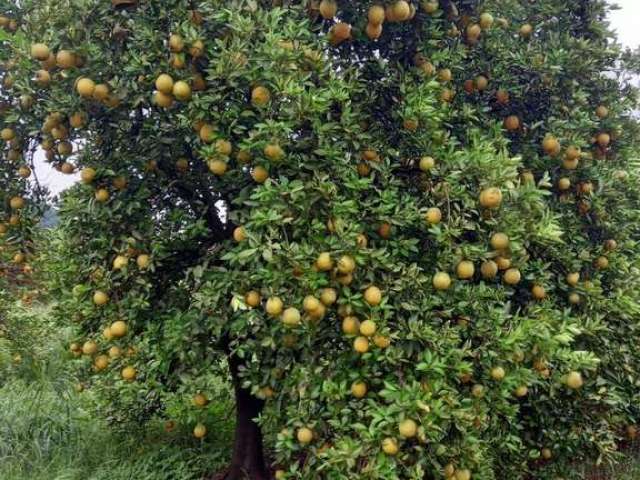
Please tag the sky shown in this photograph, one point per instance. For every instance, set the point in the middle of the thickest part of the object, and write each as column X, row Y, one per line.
column 625, row 21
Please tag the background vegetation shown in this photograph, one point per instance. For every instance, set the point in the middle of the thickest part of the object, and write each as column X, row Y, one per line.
column 52, row 431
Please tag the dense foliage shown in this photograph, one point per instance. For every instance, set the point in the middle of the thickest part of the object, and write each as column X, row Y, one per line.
column 411, row 229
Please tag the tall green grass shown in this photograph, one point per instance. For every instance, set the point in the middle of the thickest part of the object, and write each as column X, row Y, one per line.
column 46, row 434
column 48, row 431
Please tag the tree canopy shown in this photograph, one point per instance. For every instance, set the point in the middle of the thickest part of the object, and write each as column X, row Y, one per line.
column 408, row 230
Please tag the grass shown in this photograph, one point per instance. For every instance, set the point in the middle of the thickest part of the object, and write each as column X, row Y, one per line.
column 47, row 435
column 50, row 432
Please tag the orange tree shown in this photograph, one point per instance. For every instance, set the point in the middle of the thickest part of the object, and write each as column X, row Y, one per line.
column 409, row 227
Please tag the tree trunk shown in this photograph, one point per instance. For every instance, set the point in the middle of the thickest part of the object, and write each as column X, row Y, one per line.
column 248, row 461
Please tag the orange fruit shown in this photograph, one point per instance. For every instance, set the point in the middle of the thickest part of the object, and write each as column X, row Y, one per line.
column 491, row 197
column 512, row 123
column 328, row 9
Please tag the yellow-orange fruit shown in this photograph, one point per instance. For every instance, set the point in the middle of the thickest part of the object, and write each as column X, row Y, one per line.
column 78, row 119
column 100, row 298
column 572, row 153
column 486, row 21
column 564, row 183
column 17, row 203
column 503, row 262
column 512, row 123
column 574, row 380
column 526, row 30
column 512, row 276
column 441, row 281
column 502, row 97
column 259, row 174
column 498, row 373
column 602, row 263
column 465, row 270
column 291, row 317
column 162, row 99
column 491, row 197
column 39, row 51
column 401, row 10
column 42, row 78
column 87, row 175
column 118, row 329
column 164, row 83
column 102, row 195
column 375, row 15
column 408, row 428
column 260, row 96
column 361, row 344
column 65, row 59
column 207, row 132
column 433, row 216
column 573, row 278
column 89, row 347
column 176, row 43
column 252, row 298
column 603, row 139
column 199, row 431
column 346, row 264
column 551, row 145
column 602, row 112
column 473, row 32
column 217, row 167
column 328, row 9
column 181, row 90
column 223, row 147
column 197, row 48
column 24, row 171
column 324, row 263
column 239, row 234
column 390, row 446
column 445, row 75
column 538, row 292
column 481, row 83
column 381, row 341
column 368, row 328
column 350, row 325
column 373, row 31
column 340, row 32
column 499, row 241
column 274, row 306
column 273, row 152
column 358, row 389
column 85, row 87
column 304, row 435
column 7, row 134
column 129, row 374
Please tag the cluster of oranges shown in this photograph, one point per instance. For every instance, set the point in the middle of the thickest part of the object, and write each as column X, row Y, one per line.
column 167, row 90
column 101, row 361
column 377, row 15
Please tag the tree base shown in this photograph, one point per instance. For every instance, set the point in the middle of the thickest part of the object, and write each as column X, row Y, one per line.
column 247, row 462
column 237, row 473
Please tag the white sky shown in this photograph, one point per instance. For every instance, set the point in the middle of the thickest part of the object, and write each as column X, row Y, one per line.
column 625, row 21
column 51, row 178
